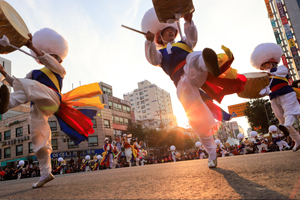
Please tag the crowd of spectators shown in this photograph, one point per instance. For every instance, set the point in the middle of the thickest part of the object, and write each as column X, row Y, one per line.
column 73, row 166
column 28, row 171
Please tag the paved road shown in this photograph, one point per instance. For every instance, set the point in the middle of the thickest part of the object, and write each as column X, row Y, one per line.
column 256, row 176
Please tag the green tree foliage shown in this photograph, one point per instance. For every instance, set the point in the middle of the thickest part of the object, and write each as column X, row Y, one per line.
column 161, row 139
column 260, row 114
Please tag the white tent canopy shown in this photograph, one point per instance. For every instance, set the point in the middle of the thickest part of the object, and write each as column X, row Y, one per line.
column 232, row 141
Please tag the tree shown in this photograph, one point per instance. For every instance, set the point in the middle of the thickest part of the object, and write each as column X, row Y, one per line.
column 260, row 114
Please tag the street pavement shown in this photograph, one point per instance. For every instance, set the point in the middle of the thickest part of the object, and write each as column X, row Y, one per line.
column 255, row 176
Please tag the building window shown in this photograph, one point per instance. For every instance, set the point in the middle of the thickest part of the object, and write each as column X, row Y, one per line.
column 6, row 135
column 298, row 1
column 54, row 144
column 71, row 144
column 93, row 141
column 7, row 152
column 53, row 125
column 119, row 107
column 121, row 120
column 30, row 148
column 142, row 97
column 117, row 120
column 143, row 106
column 113, row 119
column 142, row 102
column 28, row 129
column 141, row 93
column 110, row 105
column 125, row 121
column 106, row 123
column 19, row 150
column 107, row 91
column 19, row 131
column 94, row 123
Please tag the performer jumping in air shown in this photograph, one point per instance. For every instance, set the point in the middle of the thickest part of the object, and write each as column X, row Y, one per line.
column 42, row 88
column 190, row 71
column 283, row 97
column 276, row 138
column 257, row 142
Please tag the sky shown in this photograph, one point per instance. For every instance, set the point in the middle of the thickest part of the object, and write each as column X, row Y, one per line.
column 101, row 50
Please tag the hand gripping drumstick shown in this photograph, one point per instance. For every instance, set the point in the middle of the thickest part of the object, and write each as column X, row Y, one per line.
column 5, row 42
column 133, row 30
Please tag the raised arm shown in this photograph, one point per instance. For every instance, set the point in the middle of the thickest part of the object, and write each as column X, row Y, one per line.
column 190, row 31
column 153, row 56
column 49, row 61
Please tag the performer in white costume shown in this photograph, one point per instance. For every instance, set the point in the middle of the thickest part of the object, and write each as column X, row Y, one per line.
column 172, row 148
column 128, row 149
column 242, row 146
column 200, row 153
column 283, row 97
column 59, row 167
column 19, row 168
column 87, row 163
column 138, row 149
column 50, row 48
column 276, row 138
column 189, row 71
column 257, row 142
column 220, row 148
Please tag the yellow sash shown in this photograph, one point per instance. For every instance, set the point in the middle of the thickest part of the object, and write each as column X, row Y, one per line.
column 281, row 78
column 181, row 46
column 52, row 77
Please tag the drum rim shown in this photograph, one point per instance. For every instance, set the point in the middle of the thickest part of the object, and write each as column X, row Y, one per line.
column 260, row 74
column 4, row 4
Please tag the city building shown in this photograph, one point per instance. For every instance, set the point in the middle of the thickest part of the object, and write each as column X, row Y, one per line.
column 151, row 105
column 7, row 66
column 226, row 130
column 109, row 122
column 285, row 20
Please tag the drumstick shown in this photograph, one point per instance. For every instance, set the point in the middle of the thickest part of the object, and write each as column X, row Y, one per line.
column 22, row 51
column 133, row 29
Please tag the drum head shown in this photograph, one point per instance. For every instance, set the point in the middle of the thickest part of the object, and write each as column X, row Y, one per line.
column 255, row 74
column 14, row 18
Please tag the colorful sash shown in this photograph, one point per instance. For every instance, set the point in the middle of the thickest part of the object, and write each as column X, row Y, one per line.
column 228, row 82
column 77, row 124
column 97, row 163
column 58, row 167
column 18, row 170
column 84, row 164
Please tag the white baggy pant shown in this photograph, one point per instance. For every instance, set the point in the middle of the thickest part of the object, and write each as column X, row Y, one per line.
column 174, row 158
column 128, row 154
column 260, row 146
column 286, row 108
column 199, row 115
column 282, row 143
column 46, row 102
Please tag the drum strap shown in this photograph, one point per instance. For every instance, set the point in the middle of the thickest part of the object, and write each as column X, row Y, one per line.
column 51, row 76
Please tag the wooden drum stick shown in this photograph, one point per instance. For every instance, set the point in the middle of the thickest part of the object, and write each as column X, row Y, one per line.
column 133, row 30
